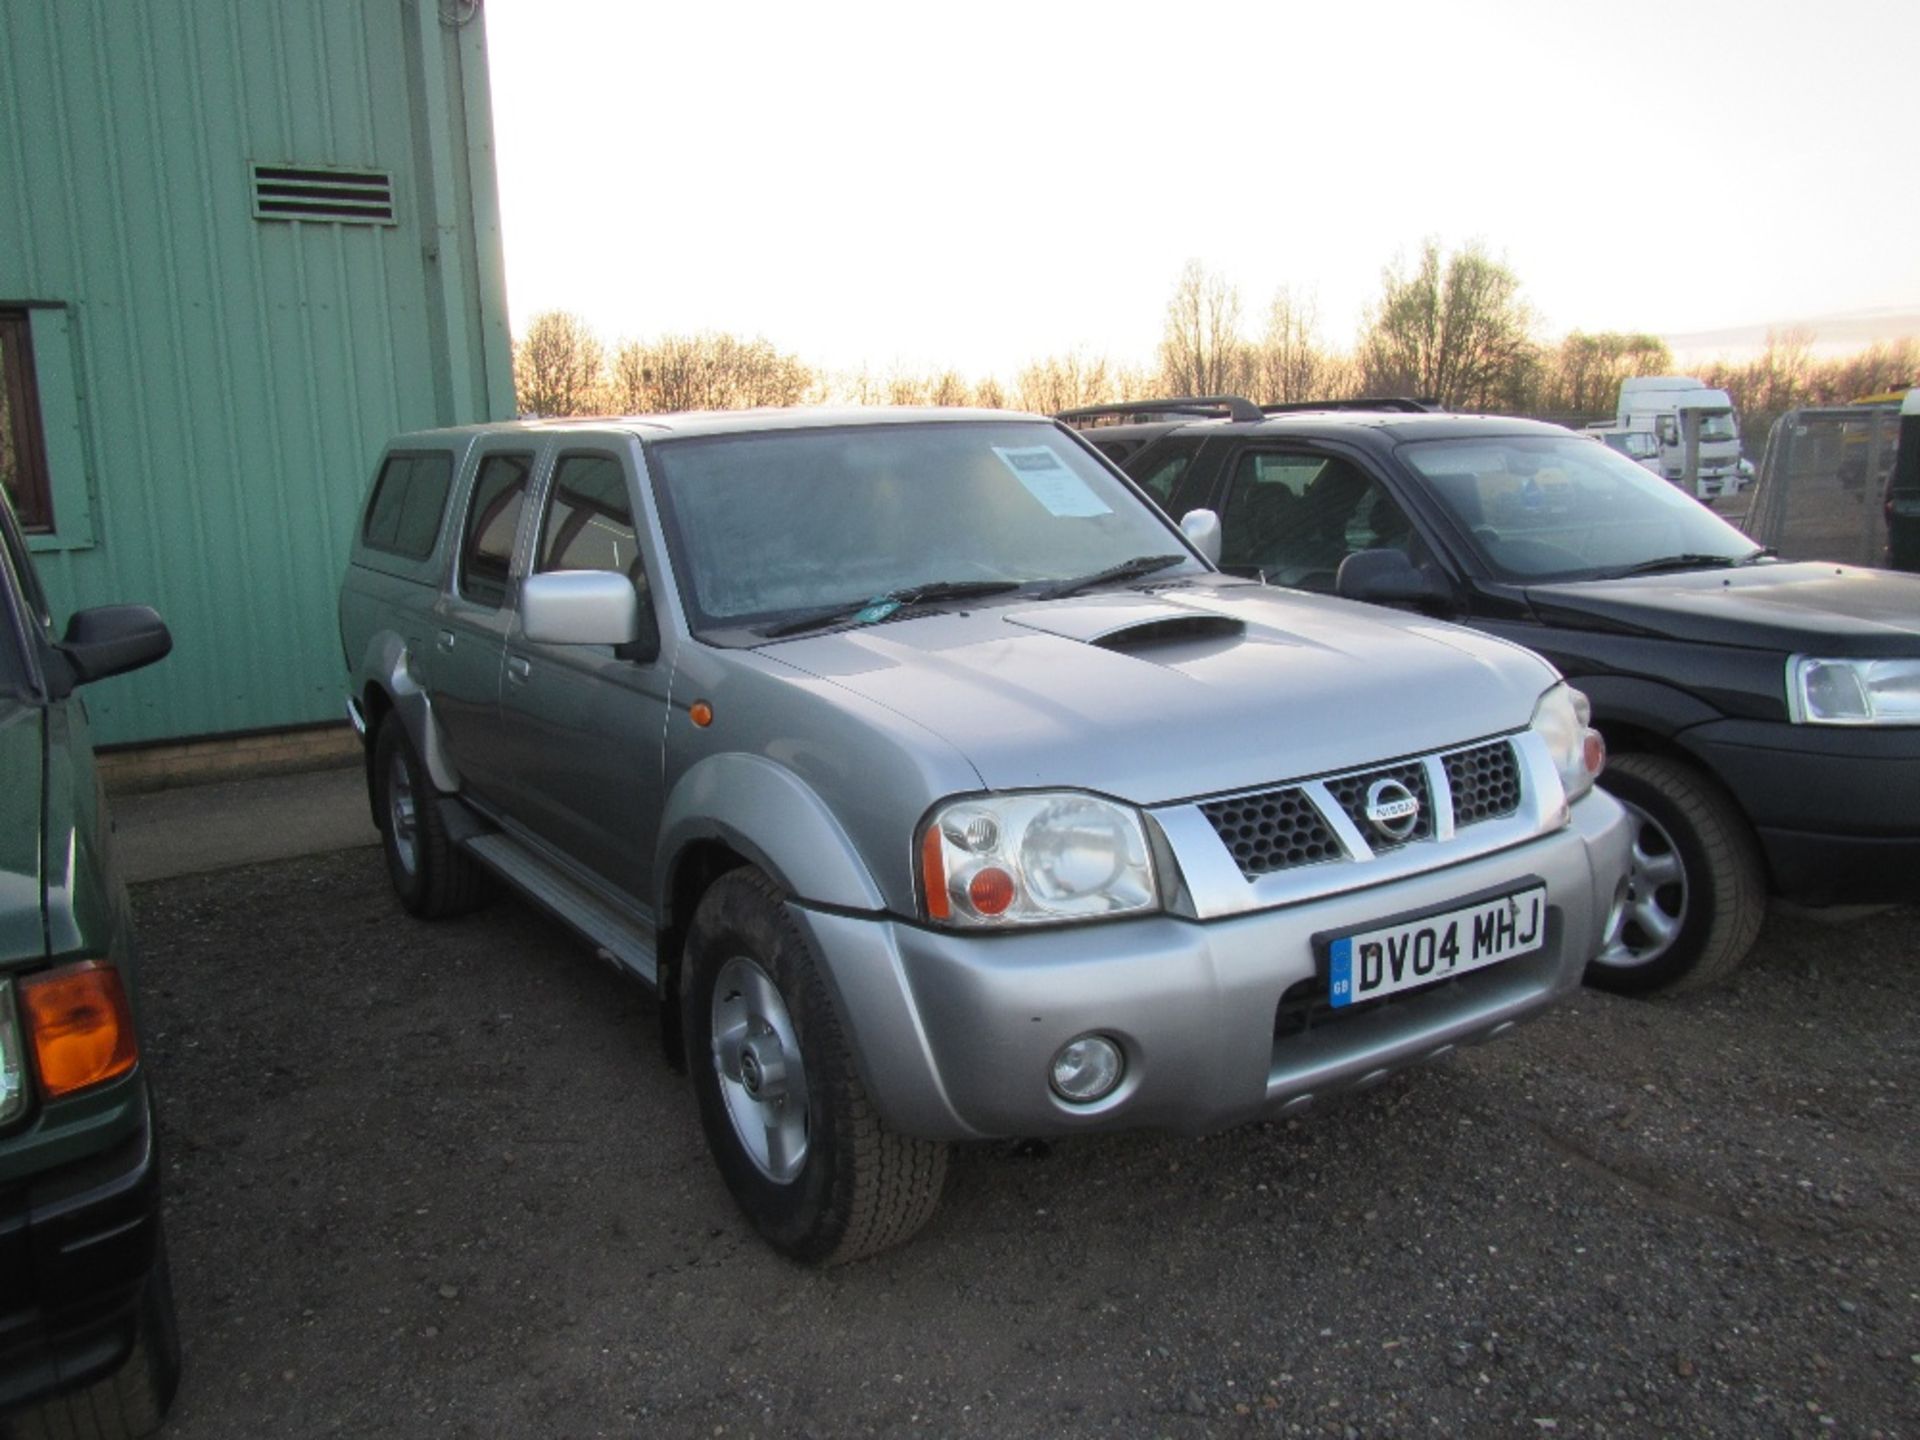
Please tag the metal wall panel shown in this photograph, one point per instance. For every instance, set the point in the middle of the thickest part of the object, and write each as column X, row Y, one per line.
column 234, row 377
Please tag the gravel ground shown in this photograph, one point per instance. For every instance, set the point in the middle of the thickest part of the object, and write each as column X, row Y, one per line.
column 435, row 1180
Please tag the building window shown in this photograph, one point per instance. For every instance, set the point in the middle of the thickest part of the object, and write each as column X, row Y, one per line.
column 23, row 450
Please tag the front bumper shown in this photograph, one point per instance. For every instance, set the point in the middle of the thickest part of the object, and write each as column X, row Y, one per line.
column 77, row 1246
column 954, row 1034
column 1837, row 808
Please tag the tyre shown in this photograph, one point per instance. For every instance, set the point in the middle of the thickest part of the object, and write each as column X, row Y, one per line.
column 791, row 1127
column 432, row 876
column 134, row 1399
column 1696, row 892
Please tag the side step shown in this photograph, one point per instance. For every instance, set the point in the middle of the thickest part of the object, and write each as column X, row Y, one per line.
column 625, row 939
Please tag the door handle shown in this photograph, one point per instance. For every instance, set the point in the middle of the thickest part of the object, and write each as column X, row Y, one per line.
column 518, row 668
column 444, row 641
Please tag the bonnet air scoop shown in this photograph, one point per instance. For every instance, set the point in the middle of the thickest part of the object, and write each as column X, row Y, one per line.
column 1172, row 631
column 1128, row 624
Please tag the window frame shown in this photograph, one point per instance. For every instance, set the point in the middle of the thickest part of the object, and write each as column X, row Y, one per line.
column 20, row 393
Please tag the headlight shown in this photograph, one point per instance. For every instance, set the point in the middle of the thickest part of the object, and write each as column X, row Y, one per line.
column 13, row 1062
column 998, row 860
column 1579, row 753
column 1853, row 692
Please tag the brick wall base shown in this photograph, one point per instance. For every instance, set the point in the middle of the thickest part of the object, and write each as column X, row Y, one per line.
column 138, row 768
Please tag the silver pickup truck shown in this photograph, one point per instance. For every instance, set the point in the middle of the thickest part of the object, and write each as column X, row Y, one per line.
column 945, row 790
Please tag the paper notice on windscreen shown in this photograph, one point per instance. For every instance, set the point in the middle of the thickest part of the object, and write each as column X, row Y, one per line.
column 1050, row 482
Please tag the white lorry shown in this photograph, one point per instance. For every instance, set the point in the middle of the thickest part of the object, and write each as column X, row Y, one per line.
column 1673, row 406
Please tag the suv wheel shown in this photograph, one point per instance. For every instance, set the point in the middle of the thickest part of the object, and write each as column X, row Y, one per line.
column 1696, row 893
column 785, row 1114
column 432, row 876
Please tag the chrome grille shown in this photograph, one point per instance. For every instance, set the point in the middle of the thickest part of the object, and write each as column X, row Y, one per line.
column 1485, row 782
column 1350, row 793
column 1273, row 830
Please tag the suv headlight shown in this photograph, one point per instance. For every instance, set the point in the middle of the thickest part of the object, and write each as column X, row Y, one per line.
column 1579, row 753
column 1853, row 692
column 13, row 1060
column 998, row 860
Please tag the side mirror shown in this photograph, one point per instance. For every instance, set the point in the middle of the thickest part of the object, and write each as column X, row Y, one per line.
column 1202, row 527
column 113, row 639
column 580, row 607
column 1386, row 577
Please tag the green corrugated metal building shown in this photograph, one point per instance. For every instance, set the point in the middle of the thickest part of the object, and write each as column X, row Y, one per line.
column 241, row 243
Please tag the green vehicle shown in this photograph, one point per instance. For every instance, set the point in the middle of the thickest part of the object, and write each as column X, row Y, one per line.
column 88, row 1344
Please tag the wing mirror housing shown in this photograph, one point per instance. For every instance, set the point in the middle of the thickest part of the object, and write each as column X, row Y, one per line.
column 580, row 607
column 1202, row 529
column 111, row 640
column 1387, row 577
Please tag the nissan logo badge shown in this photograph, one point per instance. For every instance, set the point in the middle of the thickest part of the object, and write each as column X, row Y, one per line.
column 1393, row 809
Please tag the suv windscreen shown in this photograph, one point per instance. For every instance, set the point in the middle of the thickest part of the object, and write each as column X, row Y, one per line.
column 1551, row 507
column 769, row 524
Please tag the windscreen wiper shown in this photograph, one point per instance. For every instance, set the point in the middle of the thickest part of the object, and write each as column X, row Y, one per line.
column 880, row 607
column 1126, row 570
column 1687, row 561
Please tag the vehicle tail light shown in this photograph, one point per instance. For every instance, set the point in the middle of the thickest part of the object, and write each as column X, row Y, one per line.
column 80, row 1026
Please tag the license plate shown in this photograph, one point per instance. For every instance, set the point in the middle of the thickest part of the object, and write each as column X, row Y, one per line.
column 1419, row 952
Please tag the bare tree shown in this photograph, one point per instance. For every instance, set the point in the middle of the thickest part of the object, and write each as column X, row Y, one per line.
column 706, row 372
column 557, row 366
column 1586, row 370
column 1201, row 352
column 990, row 395
column 1060, row 382
column 1454, row 328
column 1290, row 363
column 949, row 387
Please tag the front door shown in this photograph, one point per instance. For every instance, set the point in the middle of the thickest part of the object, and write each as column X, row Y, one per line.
column 589, row 721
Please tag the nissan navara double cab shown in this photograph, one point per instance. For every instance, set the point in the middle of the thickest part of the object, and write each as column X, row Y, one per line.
column 946, row 790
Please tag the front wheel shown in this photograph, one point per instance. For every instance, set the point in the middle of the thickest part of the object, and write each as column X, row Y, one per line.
column 1696, row 892
column 789, row 1123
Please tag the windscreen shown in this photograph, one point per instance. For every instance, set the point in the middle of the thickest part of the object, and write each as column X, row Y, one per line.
column 766, row 525
column 1717, row 427
column 1552, row 507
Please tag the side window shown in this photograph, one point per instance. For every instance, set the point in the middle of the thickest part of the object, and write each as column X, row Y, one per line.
column 23, row 455
column 403, row 517
column 588, row 525
column 1668, row 429
column 1161, row 470
column 589, row 519
column 493, row 516
column 1294, row 518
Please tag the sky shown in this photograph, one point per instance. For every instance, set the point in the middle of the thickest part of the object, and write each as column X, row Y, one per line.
column 914, row 187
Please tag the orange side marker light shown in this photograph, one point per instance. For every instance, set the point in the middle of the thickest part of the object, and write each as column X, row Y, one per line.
column 81, row 1024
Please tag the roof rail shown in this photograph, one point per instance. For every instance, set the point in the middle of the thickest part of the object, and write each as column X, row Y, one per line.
column 1238, row 407
column 1413, row 405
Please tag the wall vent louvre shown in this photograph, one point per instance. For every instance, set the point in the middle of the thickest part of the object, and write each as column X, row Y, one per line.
column 323, row 193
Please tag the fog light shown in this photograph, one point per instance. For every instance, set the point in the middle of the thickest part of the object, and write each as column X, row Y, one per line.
column 1087, row 1069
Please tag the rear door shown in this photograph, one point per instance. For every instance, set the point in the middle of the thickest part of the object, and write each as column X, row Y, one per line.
column 475, row 611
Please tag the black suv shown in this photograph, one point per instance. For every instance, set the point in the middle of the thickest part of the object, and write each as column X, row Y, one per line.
column 88, row 1345
column 1763, row 717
